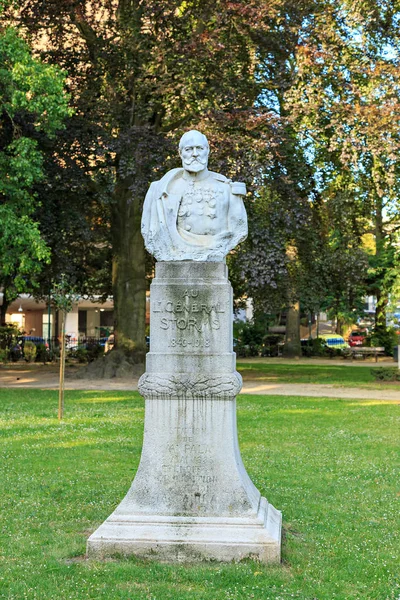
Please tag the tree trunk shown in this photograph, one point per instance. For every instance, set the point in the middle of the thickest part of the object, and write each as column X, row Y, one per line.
column 6, row 303
column 292, row 347
column 129, row 274
column 62, row 369
column 382, row 298
column 3, row 310
column 382, row 301
column 339, row 325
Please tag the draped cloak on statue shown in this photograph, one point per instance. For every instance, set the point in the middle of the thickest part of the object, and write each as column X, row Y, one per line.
column 165, row 240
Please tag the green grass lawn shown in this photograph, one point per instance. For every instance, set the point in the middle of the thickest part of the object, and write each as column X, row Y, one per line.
column 340, row 375
column 331, row 466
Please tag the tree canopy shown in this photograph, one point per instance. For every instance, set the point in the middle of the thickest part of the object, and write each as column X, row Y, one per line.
column 33, row 101
column 299, row 99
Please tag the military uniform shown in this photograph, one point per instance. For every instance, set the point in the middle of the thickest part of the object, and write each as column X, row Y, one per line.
column 193, row 218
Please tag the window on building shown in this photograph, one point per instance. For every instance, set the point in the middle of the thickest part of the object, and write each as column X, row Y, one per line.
column 106, row 322
column 82, row 322
column 46, row 325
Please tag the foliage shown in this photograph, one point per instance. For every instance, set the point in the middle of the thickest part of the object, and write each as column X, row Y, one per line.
column 153, row 68
column 29, row 351
column 345, row 266
column 42, row 353
column 4, row 355
column 263, row 263
column 336, row 352
column 270, row 345
column 386, row 374
column 15, row 352
column 33, row 103
column 93, row 351
column 54, row 353
column 345, row 109
column 298, row 99
column 252, row 338
column 313, row 347
column 8, row 335
column 64, row 295
column 74, row 214
column 388, row 338
column 81, row 355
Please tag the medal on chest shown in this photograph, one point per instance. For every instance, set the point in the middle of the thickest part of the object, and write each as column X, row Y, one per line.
column 199, row 201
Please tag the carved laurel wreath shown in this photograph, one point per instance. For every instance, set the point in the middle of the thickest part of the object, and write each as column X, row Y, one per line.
column 152, row 385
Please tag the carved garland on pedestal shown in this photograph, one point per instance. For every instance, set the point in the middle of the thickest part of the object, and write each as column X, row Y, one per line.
column 153, row 386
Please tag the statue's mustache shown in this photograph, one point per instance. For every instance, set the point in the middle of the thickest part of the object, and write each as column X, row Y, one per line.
column 195, row 159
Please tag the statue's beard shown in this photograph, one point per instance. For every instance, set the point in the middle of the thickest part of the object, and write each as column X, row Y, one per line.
column 194, row 165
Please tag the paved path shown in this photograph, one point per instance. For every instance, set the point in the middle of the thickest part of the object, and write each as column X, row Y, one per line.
column 46, row 377
column 325, row 390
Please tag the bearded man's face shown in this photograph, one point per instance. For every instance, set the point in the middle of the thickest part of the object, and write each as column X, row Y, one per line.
column 194, row 154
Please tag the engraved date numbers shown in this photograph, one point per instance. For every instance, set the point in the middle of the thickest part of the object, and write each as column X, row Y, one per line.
column 184, row 343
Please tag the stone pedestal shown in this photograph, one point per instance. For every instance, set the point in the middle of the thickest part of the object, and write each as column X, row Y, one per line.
column 191, row 498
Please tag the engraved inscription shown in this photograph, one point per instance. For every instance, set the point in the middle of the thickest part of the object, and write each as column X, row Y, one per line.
column 182, row 307
column 194, row 343
column 188, row 313
column 191, row 324
column 188, row 467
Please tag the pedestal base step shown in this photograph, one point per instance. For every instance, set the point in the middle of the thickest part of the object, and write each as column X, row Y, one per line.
column 189, row 539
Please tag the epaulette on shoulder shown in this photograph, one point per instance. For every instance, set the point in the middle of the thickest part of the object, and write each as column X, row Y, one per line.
column 220, row 177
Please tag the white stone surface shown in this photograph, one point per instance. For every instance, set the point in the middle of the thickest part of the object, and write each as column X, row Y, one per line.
column 192, row 213
column 191, row 498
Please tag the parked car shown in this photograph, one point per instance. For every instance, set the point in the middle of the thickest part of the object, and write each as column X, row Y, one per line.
column 333, row 340
column 357, row 338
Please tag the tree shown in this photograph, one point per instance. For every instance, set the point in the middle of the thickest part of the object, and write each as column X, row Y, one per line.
column 268, row 81
column 73, row 217
column 33, row 101
column 63, row 298
column 139, row 73
column 346, row 108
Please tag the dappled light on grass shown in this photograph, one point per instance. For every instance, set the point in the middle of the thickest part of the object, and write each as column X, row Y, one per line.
column 330, row 465
column 93, row 399
column 259, row 388
column 336, row 375
column 293, row 411
column 371, row 402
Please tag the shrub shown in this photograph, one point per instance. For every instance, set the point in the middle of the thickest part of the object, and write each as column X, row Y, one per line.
column 54, row 353
column 4, row 355
column 253, row 339
column 386, row 373
column 8, row 336
column 246, row 350
column 314, row 347
column 15, row 353
column 307, row 350
column 270, row 345
column 331, row 352
column 346, row 352
column 81, row 355
column 387, row 338
column 42, row 353
column 94, row 350
column 29, row 351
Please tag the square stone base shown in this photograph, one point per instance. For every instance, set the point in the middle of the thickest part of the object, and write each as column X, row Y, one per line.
column 190, row 539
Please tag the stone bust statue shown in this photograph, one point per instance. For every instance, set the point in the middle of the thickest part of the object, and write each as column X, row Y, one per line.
column 192, row 213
